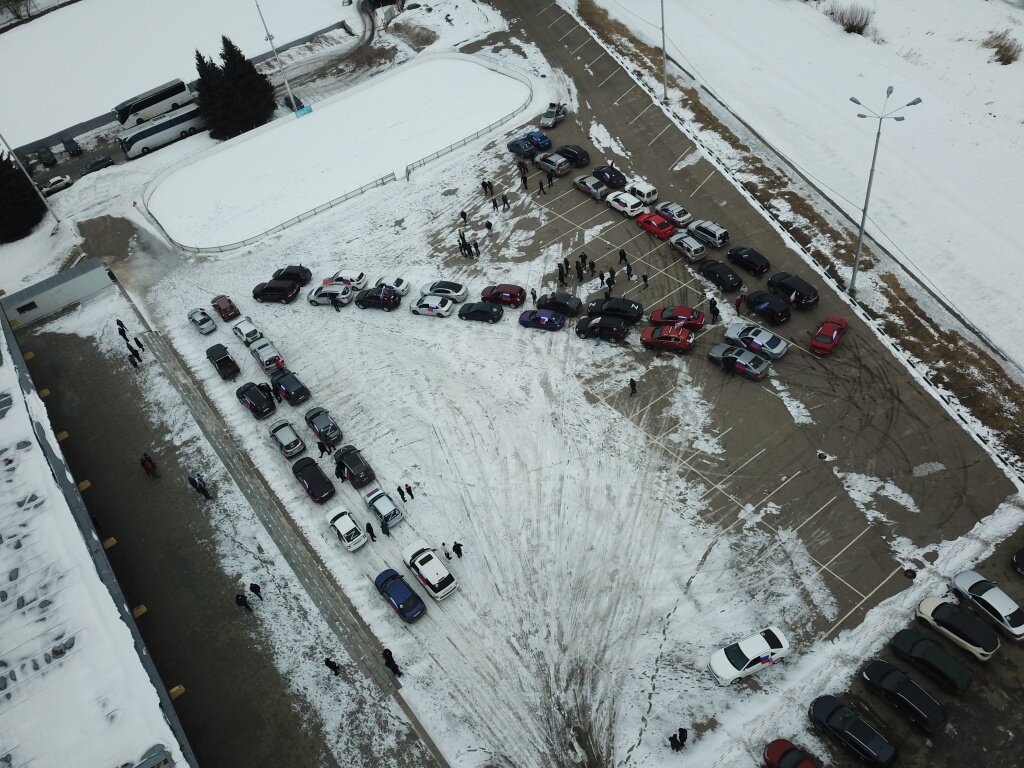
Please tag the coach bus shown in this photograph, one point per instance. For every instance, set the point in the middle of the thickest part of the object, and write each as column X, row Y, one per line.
column 161, row 131
column 146, row 105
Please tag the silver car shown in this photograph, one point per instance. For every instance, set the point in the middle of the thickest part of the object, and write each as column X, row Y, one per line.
column 246, row 331
column 383, row 508
column 457, row 292
column 757, row 339
column 991, row 602
column 202, row 321
column 400, row 284
column 589, row 185
column 740, row 360
column 265, row 353
column 675, row 213
column 321, row 295
column 286, row 439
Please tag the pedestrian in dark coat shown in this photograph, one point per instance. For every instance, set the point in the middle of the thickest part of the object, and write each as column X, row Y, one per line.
column 339, row 472
column 682, row 734
column 607, row 293
column 243, row 602
column 408, row 491
column 444, row 548
column 464, row 217
column 739, row 304
column 384, row 528
column 533, row 295
column 526, row 182
column 673, row 741
column 119, row 324
column 332, row 665
column 139, row 344
column 632, row 387
column 490, row 188
column 561, row 275
column 629, row 271
column 623, row 259
column 644, row 277
column 579, row 271
column 336, row 303
column 611, row 273
column 600, row 277
column 504, row 202
column 565, row 263
column 148, row 465
column 370, row 533
column 256, row 590
column 610, row 281
column 457, row 549
column 489, row 226
column 401, row 493
column 494, row 203
column 323, row 448
column 592, row 266
column 133, row 361
column 390, row 663
column 476, row 248
column 277, row 394
column 715, row 314
column 193, row 483
column 540, row 186
column 201, row 487
column 483, row 186
column 134, row 353
column 551, row 178
column 124, row 333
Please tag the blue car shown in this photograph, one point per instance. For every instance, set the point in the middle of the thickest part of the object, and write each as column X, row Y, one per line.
column 538, row 139
column 545, row 319
column 521, row 148
column 399, row 594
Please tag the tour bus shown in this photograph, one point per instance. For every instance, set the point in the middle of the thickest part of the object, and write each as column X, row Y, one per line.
column 161, row 131
column 168, row 96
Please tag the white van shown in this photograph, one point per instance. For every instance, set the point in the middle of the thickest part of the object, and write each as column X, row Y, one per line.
column 430, row 571
column 348, row 532
column 644, row 192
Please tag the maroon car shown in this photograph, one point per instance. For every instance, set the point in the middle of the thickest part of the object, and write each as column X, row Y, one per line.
column 667, row 338
column 225, row 307
column 782, row 753
column 513, row 295
column 684, row 317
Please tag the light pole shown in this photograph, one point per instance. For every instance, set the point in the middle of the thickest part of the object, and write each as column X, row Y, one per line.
column 880, row 116
column 664, row 58
column 280, row 66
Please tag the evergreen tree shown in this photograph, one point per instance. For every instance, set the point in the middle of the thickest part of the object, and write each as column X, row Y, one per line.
column 250, row 94
column 210, row 89
column 21, row 206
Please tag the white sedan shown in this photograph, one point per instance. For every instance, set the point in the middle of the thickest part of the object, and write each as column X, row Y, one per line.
column 749, row 656
column 343, row 277
column 202, row 321
column 436, row 306
column 757, row 339
column 400, row 285
column 457, row 292
column 625, row 203
column 56, row 184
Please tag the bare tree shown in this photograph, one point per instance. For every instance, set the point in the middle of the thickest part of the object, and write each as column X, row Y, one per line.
column 20, row 9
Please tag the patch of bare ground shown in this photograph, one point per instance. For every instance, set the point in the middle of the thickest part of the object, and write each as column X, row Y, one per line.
column 415, row 36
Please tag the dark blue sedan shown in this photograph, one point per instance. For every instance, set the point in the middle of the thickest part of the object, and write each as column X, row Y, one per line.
column 399, row 594
column 544, row 319
column 539, row 139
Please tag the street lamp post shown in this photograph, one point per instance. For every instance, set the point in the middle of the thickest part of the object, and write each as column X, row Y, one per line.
column 880, row 116
column 280, row 66
column 664, row 58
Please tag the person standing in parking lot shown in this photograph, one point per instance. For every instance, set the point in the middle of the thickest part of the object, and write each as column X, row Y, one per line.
column 739, row 304
column 457, row 549
column 489, row 227
column 408, row 491
column 332, row 665
column 243, row 602
column 551, row 178
column 623, row 259
column 133, row 361
column 629, row 271
column 476, row 248
column 483, row 186
column 336, row 303
column 390, row 663
column 257, row 590
column 533, row 295
column 464, row 217
column 384, row 528
column 370, row 533
column 632, row 387
column 494, row 203
column 401, row 493
column 323, row 448
column 504, row 202
column 715, row 314
column 444, row 548
column 540, row 186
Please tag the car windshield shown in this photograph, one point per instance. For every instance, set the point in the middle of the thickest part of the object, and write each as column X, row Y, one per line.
column 352, row 534
column 824, row 338
column 773, row 640
column 1016, row 619
column 735, row 656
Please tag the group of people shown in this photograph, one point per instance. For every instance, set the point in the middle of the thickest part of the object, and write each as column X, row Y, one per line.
column 134, row 352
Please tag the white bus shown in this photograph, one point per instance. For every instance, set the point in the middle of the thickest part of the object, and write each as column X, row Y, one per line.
column 161, row 131
column 152, row 103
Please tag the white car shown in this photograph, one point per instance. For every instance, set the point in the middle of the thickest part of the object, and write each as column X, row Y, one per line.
column 400, row 285
column 381, row 505
column 265, row 353
column 749, row 656
column 246, row 331
column 757, row 339
column 56, row 184
column 436, row 306
column 960, row 626
column 343, row 277
column 625, row 203
column 991, row 602
column 202, row 321
column 286, row 438
column 688, row 246
column 430, row 571
column 457, row 292
column 348, row 531
column 675, row 213
column 642, row 190
column 321, row 295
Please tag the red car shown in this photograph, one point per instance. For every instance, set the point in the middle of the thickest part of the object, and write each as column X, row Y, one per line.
column 685, row 317
column 828, row 335
column 513, row 295
column 225, row 307
column 782, row 753
column 657, row 225
column 667, row 338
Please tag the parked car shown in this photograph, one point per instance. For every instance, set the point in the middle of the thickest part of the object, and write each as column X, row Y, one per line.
column 757, row 339
column 202, row 321
column 630, row 311
column 721, row 275
column 905, row 696
column 749, row 656
column 300, row 274
column 400, row 596
column 829, row 334
column 553, row 163
column 97, row 164
column 255, row 400
column 286, row 438
column 400, row 284
column 850, row 729
column 782, row 753
column 793, row 289
column 591, row 186
column 643, row 191
column 225, row 307
column 222, row 360
column 246, row 331
column 576, row 155
column 521, row 148
column 354, row 467
column 383, row 507
column 504, row 293
column 313, row 480
column 484, row 311
column 742, row 361
column 429, row 570
column 283, row 291
column 56, row 184
column 688, row 246
column 434, row 306
column 542, row 319
column 321, row 295
column 348, row 531
column 288, row 386
column 562, row 303
column 265, row 353
column 457, row 292
column 46, row 157
column 538, row 139
column 674, row 212
column 667, row 338
column 385, row 297
column 769, row 306
column 606, row 328
column 323, row 425
column 345, row 277
column 555, row 113
column 749, row 259
column 687, row 317
column 709, row 233
column 625, row 203
column 929, row 657
column 71, row 146
column 656, row 224
column 613, row 177
column 991, row 602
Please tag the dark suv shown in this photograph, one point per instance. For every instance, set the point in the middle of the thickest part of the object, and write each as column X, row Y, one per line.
column 300, row 274
column 770, row 307
column 630, row 311
column 283, row 291
column 597, row 327
column 856, row 733
column 323, row 425
column 353, row 467
column 905, row 696
column 287, row 384
column 256, row 401
column 563, row 303
column 613, row 177
column 793, row 289
column 575, row 155
column 380, row 297
column 951, row 676
column 313, row 480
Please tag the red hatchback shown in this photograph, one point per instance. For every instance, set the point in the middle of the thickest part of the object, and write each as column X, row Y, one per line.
column 684, row 317
column 513, row 295
column 828, row 335
column 225, row 307
column 782, row 753
column 657, row 225
column 667, row 338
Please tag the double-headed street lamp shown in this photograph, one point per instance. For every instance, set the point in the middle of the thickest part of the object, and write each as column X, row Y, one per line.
column 883, row 115
column 280, row 66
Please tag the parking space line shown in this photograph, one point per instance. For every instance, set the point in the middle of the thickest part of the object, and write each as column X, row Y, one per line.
column 614, row 72
column 567, row 34
column 557, row 20
column 819, row 509
column 840, row 552
column 548, row 6
column 641, row 112
column 702, row 183
column 573, row 51
column 616, row 102
column 866, row 597
column 741, row 466
column 659, row 136
column 603, row 54
column 685, row 153
column 659, row 397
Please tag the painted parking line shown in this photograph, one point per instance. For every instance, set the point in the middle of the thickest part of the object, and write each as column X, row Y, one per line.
column 641, row 112
column 616, row 102
column 574, row 29
column 659, row 136
column 673, row 163
column 819, row 509
column 603, row 54
column 866, row 597
column 741, row 466
column 573, row 51
column 659, row 397
column 564, row 15
column 546, row 7
column 840, row 552
column 614, row 72
column 702, row 183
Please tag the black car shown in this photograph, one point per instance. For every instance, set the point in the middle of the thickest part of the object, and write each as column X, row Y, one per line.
column 484, row 311
column 575, row 155
column 607, row 328
column 317, row 484
column 223, row 361
column 750, row 260
column 380, row 297
column 353, row 467
column 721, row 275
column 323, row 425
column 769, row 306
column 630, row 311
column 46, row 157
column 521, row 148
column 613, row 177
column 905, row 696
column 287, row 384
column 283, row 291
column 71, row 146
column 97, row 164
column 856, row 733
column 793, row 289
column 562, row 303
column 951, row 676
column 299, row 274
column 257, row 402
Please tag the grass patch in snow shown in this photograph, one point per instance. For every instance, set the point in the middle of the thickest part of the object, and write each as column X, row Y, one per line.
column 853, row 18
column 1006, row 49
